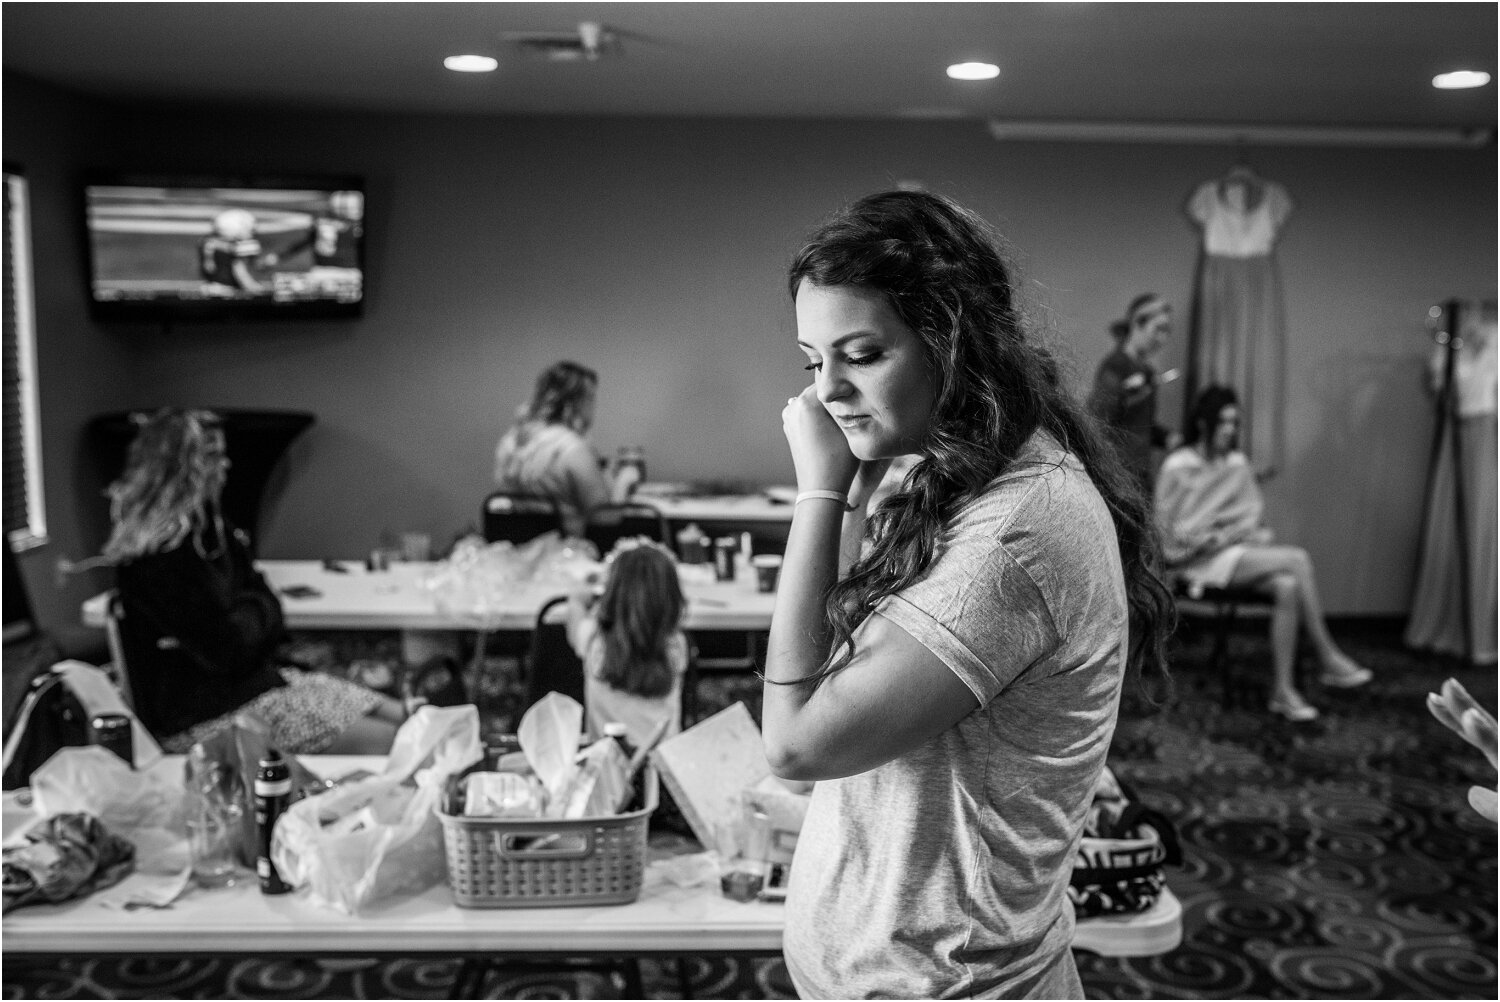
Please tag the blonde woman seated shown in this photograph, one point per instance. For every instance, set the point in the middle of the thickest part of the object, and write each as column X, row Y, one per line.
column 201, row 626
column 546, row 452
column 1209, row 509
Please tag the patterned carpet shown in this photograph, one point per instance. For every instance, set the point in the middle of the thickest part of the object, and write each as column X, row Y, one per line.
column 1337, row 859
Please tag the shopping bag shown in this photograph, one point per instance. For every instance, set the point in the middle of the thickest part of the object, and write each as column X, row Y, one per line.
column 380, row 836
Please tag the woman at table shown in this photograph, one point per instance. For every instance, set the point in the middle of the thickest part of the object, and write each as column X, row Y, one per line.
column 200, row 626
column 546, row 453
column 1209, row 509
column 954, row 693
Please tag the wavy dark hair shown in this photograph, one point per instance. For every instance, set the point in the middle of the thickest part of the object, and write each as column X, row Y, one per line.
column 639, row 611
column 1205, row 414
column 940, row 268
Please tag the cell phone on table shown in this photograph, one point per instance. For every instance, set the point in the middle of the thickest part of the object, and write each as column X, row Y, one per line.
column 300, row 591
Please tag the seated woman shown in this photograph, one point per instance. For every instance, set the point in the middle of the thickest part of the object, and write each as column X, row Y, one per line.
column 201, row 626
column 1209, row 509
column 546, row 453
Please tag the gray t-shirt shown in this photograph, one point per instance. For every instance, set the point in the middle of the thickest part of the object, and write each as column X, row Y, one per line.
column 943, row 873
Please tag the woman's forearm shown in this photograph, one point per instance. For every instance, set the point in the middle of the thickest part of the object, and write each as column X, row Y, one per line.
column 800, row 636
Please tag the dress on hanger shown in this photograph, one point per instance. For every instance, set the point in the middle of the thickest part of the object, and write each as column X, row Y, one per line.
column 1436, row 622
column 1239, row 320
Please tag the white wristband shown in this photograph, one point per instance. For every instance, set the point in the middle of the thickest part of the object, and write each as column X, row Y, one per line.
column 842, row 499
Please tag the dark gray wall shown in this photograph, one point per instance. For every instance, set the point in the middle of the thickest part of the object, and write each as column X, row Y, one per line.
column 81, row 370
column 653, row 250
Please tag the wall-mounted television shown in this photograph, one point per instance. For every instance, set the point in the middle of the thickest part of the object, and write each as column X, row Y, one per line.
column 224, row 248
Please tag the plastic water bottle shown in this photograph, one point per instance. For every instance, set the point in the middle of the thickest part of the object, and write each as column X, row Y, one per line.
column 616, row 730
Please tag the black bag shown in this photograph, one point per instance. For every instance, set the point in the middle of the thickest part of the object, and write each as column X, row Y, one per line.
column 437, row 681
column 1118, row 869
column 50, row 719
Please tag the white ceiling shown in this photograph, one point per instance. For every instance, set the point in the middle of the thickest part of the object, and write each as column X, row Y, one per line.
column 1346, row 64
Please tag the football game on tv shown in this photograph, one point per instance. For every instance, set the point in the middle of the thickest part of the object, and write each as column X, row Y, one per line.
column 249, row 249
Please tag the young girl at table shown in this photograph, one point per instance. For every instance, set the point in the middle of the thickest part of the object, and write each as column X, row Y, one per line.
column 200, row 626
column 631, row 643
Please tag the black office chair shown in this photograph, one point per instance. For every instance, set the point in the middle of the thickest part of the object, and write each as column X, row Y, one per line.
column 519, row 518
column 551, row 665
column 1223, row 608
column 610, row 523
column 114, row 611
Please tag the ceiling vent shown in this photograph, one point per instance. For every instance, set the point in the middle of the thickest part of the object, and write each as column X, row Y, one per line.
column 590, row 42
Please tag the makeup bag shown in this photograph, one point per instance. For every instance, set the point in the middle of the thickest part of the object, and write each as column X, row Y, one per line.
column 1125, row 845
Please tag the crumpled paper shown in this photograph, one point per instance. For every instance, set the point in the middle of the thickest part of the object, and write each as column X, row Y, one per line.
column 478, row 579
column 549, row 734
column 579, row 784
column 94, row 780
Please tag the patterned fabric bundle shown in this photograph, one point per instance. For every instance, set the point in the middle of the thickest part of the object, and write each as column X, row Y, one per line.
column 1125, row 844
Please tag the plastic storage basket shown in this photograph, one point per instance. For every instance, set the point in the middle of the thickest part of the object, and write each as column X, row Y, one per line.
column 547, row 862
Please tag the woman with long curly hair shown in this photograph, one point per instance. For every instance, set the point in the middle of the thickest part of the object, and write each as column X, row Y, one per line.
column 954, row 693
column 201, row 626
column 545, row 453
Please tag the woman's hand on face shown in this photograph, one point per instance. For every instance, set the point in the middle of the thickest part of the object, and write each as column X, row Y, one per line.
column 820, row 453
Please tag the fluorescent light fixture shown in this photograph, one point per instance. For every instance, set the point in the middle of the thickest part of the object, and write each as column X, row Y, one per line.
column 1460, row 79
column 471, row 64
column 1229, row 133
column 973, row 71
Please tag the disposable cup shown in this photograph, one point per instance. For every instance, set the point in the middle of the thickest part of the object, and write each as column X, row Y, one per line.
column 212, row 840
column 767, row 570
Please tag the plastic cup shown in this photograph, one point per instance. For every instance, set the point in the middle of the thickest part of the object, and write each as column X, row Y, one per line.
column 767, row 570
column 725, row 548
column 416, row 547
column 213, row 839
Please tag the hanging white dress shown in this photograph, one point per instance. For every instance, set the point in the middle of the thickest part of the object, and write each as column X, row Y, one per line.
column 1436, row 622
column 1239, row 320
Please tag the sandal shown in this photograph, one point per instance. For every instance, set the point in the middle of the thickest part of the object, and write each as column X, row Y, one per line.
column 1347, row 675
column 1294, row 708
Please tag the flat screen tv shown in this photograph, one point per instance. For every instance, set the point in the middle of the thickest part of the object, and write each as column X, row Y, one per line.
column 222, row 248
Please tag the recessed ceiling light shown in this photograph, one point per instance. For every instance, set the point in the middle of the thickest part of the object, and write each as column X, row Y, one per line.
column 973, row 71
column 471, row 64
column 1460, row 79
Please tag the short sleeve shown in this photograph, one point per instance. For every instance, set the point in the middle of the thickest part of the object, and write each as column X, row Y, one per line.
column 582, row 471
column 979, row 612
column 1200, row 204
column 582, row 632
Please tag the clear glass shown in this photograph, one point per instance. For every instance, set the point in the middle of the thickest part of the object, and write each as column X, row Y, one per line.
column 213, row 840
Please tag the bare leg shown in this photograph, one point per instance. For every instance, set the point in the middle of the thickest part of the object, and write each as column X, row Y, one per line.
column 366, row 736
column 1284, row 621
column 1262, row 563
column 389, row 710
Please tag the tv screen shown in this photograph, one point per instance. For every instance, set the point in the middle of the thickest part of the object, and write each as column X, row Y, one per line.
column 225, row 249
